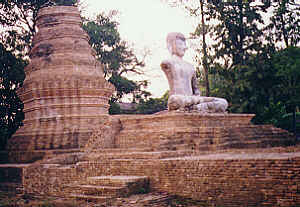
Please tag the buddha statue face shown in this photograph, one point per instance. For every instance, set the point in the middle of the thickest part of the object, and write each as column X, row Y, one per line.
column 176, row 44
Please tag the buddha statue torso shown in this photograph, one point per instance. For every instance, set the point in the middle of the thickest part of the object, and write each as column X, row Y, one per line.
column 181, row 75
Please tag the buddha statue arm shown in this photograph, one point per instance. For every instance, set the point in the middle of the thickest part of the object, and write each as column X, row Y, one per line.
column 194, row 83
column 166, row 66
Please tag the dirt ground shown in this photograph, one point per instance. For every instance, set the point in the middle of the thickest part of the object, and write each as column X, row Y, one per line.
column 156, row 199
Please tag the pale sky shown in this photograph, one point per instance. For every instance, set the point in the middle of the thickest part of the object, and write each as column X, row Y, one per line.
column 145, row 24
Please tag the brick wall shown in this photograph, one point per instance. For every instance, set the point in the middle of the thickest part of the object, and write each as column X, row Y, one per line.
column 255, row 179
column 198, row 132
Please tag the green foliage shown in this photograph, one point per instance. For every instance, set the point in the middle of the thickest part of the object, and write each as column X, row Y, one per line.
column 285, row 122
column 144, row 106
column 152, row 106
column 66, row 2
column 236, row 34
column 286, row 63
column 284, row 23
column 122, row 85
column 19, row 20
column 245, row 62
column 267, row 86
column 202, row 31
column 11, row 107
column 105, row 40
column 114, row 107
column 246, row 69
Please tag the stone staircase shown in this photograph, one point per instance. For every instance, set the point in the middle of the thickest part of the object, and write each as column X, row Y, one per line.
column 255, row 136
column 104, row 188
column 219, row 138
column 200, row 132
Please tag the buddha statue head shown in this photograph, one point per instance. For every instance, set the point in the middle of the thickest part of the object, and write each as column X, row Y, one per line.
column 176, row 44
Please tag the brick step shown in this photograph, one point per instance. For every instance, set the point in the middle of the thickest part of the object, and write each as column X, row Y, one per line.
column 120, row 181
column 56, row 152
column 90, row 198
column 183, row 147
column 141, row 155
column 258, row 130
column 256, row 138
column 259, row 135
column 58, row 167
column 44, row 139
column 172, row 141
column 236, row 138
column 32, row 156
column 102, row 188
column 65, row 159
column 262, row 134
column 177, row 147
column 123, row 150
column 251, row 144
column 95, row 190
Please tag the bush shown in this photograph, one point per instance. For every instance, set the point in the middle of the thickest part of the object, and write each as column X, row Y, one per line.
column 66, row 2
column 286, row 122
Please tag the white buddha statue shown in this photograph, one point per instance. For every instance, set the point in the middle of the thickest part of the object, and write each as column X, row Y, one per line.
column 184, row 94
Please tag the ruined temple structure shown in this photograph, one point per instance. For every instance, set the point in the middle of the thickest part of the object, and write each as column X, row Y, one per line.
column 70, row 148
column 64, row 93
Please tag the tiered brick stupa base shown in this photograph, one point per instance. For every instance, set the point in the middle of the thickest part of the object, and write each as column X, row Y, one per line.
column 190, row 131
column 65, row 94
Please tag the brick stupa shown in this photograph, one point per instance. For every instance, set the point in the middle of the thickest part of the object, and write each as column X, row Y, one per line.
column 64, row 94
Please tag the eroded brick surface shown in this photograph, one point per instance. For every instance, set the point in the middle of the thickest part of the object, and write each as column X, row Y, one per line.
column 227, row 179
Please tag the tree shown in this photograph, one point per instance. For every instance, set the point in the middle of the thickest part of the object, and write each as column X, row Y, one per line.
column 267, row 86
column 19, row 20
column 201, row 31
column 229, row 31
column 11, row 107
column 286, row 63
column 248, row 69
column 116, row 56
column 284, row 23
column 250, row 88
column 237, row 34
column 153, row 105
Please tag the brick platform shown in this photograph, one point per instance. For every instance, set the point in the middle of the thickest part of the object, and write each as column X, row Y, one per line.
column 218, row 159
column 232, row 178
column 173, row 131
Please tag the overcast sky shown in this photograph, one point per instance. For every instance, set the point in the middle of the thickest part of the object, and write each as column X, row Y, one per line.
column 145, row 24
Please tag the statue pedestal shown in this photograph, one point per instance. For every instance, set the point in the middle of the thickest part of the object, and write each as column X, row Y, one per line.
column 175, row 131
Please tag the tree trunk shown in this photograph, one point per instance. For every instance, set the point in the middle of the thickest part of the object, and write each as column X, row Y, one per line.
column 205, row 65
